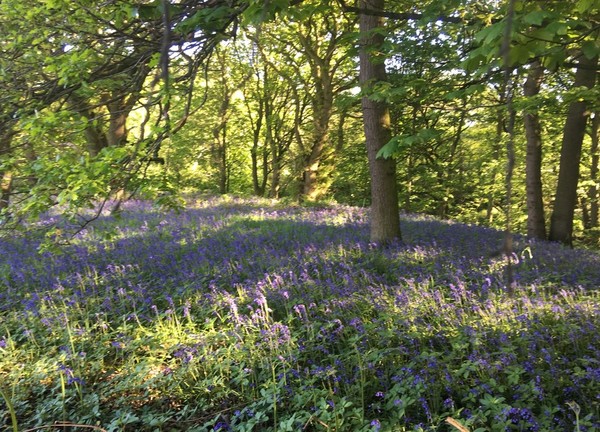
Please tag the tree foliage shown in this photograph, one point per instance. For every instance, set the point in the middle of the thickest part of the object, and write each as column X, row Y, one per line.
column 151, row 98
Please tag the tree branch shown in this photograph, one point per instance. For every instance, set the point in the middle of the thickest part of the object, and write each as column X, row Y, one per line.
column 402, row 16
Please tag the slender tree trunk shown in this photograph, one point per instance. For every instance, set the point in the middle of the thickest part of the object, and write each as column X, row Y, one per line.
column 5, row 176
column 254, row 157
column 219, row 150
column 5, row 189
column 257, row 184
column 536, row 225
column 585, row 214
column 446, row 177
column 274, row 148
column 408, row 187
column 496, row 156
column 222, row 160
column 275, row 170
column 593, row 190
column 561, row 224
column 385, row 217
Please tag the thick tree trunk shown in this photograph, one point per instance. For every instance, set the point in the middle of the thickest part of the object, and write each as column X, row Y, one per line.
column 312, row 187
column 561, row 227
column 117, row 130
column 536, row 225
column 94, row 135
column 385, row 217
column 310, row 180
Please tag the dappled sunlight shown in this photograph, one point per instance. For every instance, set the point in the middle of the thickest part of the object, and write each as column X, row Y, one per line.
column 253, row 313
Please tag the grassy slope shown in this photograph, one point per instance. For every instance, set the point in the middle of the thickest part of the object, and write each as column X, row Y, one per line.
column 237, row 315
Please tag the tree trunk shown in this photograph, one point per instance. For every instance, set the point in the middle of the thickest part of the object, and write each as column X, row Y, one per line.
column 94, row 135
column 257, row 185
column 219, row 149
column 274, row 149
column 310, row 178
column 322, row 106
column 561, row 224
column 5, row 176
column 593, row 190
column 275, row 168
column 5, row 189
column 221, row 155
column 446, row 176
column 117, row 130
column 385, row 217
column 536, row 226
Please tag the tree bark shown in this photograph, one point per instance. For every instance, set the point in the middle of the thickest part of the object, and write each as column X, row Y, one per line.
column 220, row 144
column 117, row 130
column 5, row 176
column 536, row 225
column 385, row 217
column 593, row 190
column 310, row 178
column 257, row 185
column 219, row 132
column 6, row 188
column 7, row 132
column 275, row 155
column 322, row 74
column 561, row 224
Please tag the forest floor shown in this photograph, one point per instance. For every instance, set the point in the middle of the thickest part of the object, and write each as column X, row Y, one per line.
column 247, row 315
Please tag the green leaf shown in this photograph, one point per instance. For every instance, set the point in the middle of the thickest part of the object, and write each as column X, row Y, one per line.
column 535, row 17
column 150, row 12
column 154, row 60
column 401, row 142
column 591, row 49
column 543, row 34
column 461, row 93
column 519, row 54
column 490, row 34
column 583, row 6
column 259, row 11
column 554, row 59
column 207, row 19
column 558, row 28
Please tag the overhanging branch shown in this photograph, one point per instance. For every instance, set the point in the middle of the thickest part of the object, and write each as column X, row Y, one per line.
column 403, row 16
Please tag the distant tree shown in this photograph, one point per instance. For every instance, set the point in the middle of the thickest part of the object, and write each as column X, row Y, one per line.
column 310, row 49
column 278, row 111
column 594, row 167
column 536, row 225
column 430, row 110
column 6, row 175
column 558, row 37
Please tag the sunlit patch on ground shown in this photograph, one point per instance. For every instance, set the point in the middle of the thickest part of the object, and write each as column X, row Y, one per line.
column 246, row 315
